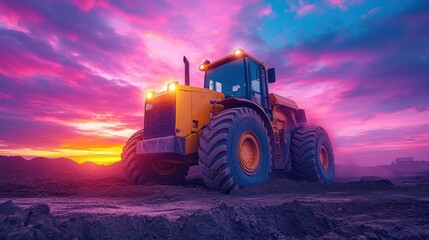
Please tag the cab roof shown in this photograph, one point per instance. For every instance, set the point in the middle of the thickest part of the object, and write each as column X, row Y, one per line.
column 238, row 53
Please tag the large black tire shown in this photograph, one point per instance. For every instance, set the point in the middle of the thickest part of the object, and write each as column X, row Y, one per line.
column 219, row 160
column 138, row 169
column 312, row 155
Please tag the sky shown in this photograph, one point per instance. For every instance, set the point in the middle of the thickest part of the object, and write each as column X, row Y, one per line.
column 73, row 73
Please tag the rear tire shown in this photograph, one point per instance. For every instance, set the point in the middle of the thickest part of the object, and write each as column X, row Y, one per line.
column 224, row 167
column 312, row 155
column 139, row 169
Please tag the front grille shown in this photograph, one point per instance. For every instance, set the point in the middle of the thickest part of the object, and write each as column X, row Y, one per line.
column 160, row 116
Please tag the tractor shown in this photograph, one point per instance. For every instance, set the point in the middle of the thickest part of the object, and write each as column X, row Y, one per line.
column 234, row 129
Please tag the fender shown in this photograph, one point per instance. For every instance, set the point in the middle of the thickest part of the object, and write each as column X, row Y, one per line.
column 239, row 102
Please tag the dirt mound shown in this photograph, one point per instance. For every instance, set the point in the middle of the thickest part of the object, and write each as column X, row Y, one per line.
column 291, row 220
column 221, row 222
column 34, row 222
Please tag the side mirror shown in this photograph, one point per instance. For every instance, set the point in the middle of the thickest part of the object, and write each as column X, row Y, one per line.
column 271, row 75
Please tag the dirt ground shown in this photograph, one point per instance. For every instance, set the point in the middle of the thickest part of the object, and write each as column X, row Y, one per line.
column 110, row 208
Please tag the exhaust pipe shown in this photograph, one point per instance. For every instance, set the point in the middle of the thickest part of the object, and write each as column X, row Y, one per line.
column 187, row 80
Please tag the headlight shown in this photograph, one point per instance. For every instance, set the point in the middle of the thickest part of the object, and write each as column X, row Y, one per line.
column 150, row 95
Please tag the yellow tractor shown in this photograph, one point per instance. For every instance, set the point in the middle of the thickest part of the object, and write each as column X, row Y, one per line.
column 233, row 128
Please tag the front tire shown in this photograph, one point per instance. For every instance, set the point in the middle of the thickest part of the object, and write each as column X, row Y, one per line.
column 312, row 155
column 235, row 150
column 138, row 169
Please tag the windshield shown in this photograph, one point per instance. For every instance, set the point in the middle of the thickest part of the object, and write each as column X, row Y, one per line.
column 228, row 79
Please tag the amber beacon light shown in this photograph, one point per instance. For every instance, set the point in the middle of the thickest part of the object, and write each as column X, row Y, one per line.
column 238, row 51
column 172, row 86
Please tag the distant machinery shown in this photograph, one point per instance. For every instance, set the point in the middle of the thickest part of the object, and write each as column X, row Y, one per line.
column 404, row 160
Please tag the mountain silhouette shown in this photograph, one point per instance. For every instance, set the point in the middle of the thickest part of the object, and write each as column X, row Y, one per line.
column 14, row 168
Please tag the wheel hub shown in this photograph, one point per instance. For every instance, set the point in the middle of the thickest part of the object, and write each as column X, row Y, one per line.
column 323, row 157
column 249, row 153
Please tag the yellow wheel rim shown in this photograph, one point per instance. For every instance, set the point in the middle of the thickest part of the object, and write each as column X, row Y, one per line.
column 249, row 153
column 163, row 167
column 323, row 157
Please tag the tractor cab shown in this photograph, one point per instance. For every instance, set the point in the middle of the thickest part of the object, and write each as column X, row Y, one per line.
column 239, row 75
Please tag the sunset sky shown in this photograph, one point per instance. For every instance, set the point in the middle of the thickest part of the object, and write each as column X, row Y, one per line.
column 73, row 73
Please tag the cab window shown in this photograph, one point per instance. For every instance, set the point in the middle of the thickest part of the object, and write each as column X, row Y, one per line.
column 228, row 78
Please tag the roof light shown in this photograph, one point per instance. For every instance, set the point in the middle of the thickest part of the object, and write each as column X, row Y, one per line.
column 150, row 95
column 203, row 67
column 238, row 51
column 171, row 86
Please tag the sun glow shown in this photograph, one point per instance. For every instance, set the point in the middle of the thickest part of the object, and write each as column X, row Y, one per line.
column 103, row 156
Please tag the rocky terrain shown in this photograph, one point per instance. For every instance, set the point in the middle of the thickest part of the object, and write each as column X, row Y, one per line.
column 59, row 199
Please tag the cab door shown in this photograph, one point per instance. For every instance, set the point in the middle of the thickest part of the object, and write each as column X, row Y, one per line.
column 257, row 83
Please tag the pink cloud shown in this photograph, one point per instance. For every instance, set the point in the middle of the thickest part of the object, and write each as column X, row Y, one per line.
column 372, row 11
column 307, row 62
column 341, row 4
column 84, row 5
column 265, row 11
column 305, row 9
column 156, row 16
